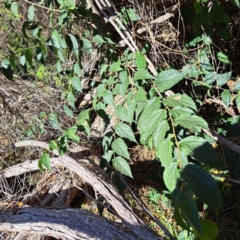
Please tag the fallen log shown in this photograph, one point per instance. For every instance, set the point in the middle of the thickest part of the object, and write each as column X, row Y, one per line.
column 62, row 223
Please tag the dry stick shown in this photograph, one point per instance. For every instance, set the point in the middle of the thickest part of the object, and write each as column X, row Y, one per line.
column 133, row 47
column 146, row 210
column 114, row 25
column 129, row 218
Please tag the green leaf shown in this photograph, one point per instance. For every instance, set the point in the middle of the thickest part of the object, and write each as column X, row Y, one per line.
column 7, row 70
column 226, row 97
column 200, row 149
column 77, row 83
column 171, row 176
column 98, row 39
column 63, row 16
column 108, row 155
column 236, row 2
column 103, row 69
column 204, row 61
column 73, row 44
column 237, row 87
column 77, row 69
column 140, row 60
column 179, row 219
column 14, row 9
column 225, row 34
column 140, row 95
column 160, row 132
column 116, row 66
column 58, row 67
column 12, row 61
column 23, row 60
column 56, row 38
column 62, row 144
column 223, row 78
column 150, row 124
column 154, row 196
column 69, row 4
column 179, row 100
column 209, row 230
column 29, row 57
column 191, row 70
column 131, row 109
column 40, row 166
column 237, row 99
column 122, row 113
column 53, row 120
column 71, row 134
column 87, row 45
column 122, row 166
column 210, row 78
column 82, row 117
column 179, row 111
column 68, row 111
column 140, row 108
column 192, row 122
column 124, row 131
column 123, row 76
column 149, row 107
column 142, row 74
column 108, row 97
column 100, row 89
column 206, row 39
column 168, row 78
column 164, row 152
column 61, row 54
column 31, row 13
column 45, row 161
column 203, row 185
column 185, row 201
column 24, row 28
column 71, row 100
column 107, row 139
column 120, row 147
column 132, row 14
column 35, row 32
column 53, row 145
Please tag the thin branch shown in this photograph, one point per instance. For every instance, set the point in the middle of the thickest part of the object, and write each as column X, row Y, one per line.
column 147, row 211
column 215, row 136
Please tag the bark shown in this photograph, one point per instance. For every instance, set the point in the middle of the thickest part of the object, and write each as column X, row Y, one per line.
column 62, row 223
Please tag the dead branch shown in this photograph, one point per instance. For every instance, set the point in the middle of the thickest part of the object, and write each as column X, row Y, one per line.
column 130, row 220
column 215, row 136
column 62, row 223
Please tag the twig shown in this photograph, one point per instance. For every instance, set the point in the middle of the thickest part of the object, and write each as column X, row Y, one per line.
column 146, row 210
column 215, row 136
column 126, row 35
column 228, row 179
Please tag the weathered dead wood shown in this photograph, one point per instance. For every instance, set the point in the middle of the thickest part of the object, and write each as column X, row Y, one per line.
column 124, row 211
column 62, row 223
